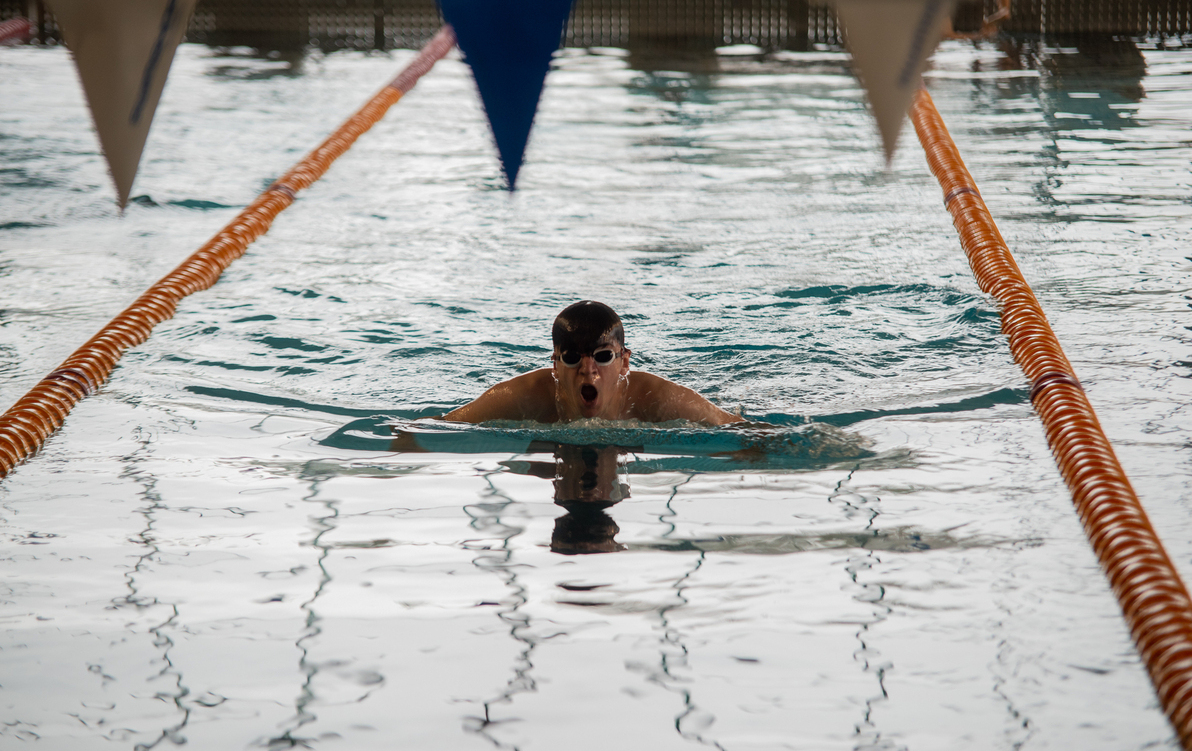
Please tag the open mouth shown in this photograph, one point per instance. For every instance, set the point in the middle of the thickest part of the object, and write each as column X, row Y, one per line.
column 588, row 393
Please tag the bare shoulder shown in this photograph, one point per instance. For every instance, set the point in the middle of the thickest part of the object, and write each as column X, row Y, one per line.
column 529, row 396
column 653, row 398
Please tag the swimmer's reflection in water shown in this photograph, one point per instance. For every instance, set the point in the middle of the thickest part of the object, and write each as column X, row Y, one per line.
column 587, row 482
column 586, row 479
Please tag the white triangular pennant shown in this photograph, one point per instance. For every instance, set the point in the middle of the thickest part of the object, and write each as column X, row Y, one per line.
column 890, row 41
column 123, row 50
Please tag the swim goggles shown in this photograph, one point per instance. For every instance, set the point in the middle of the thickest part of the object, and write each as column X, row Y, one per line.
column 571, row 359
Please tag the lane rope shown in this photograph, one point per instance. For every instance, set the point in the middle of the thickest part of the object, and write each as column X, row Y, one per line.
column 15, row 31
column 1153, row 598
column 28, row 423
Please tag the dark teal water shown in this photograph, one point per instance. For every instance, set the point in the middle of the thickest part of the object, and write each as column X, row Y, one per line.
column 231, row 546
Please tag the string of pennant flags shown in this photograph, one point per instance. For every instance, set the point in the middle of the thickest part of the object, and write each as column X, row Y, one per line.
column 123, row 50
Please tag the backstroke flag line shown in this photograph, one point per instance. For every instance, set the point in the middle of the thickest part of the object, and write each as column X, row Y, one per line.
column 890, row 41
column 508, row 44
column 123, row 50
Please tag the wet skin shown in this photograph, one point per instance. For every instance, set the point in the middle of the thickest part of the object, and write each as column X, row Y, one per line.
column 591, row 390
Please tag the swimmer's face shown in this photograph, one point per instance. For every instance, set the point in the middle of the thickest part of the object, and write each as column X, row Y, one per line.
column 589, row 388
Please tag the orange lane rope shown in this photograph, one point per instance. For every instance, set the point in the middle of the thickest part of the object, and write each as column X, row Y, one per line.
column 27, row 424
column 1152, row 596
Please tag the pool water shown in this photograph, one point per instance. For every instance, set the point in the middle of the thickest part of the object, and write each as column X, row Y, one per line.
column 248, row 539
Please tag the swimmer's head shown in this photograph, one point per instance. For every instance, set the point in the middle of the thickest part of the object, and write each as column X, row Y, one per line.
column 586, row 326
column 591, row 362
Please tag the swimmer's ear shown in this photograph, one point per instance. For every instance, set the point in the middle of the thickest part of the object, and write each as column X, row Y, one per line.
column 625, row 353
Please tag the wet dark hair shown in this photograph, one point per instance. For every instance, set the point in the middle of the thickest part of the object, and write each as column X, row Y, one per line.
column 585, row 325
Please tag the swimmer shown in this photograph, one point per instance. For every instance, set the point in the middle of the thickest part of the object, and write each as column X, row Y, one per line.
column 590, row 378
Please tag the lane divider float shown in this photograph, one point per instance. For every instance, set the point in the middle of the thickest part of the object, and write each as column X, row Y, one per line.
column 35, row 416
column 15, row 31
column 1153, row 598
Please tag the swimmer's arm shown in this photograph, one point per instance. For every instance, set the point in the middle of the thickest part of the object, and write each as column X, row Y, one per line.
column 662, row 400
column 529, row 396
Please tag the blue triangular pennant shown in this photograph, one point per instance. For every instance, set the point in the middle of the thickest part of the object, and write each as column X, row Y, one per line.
column 508, row 43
